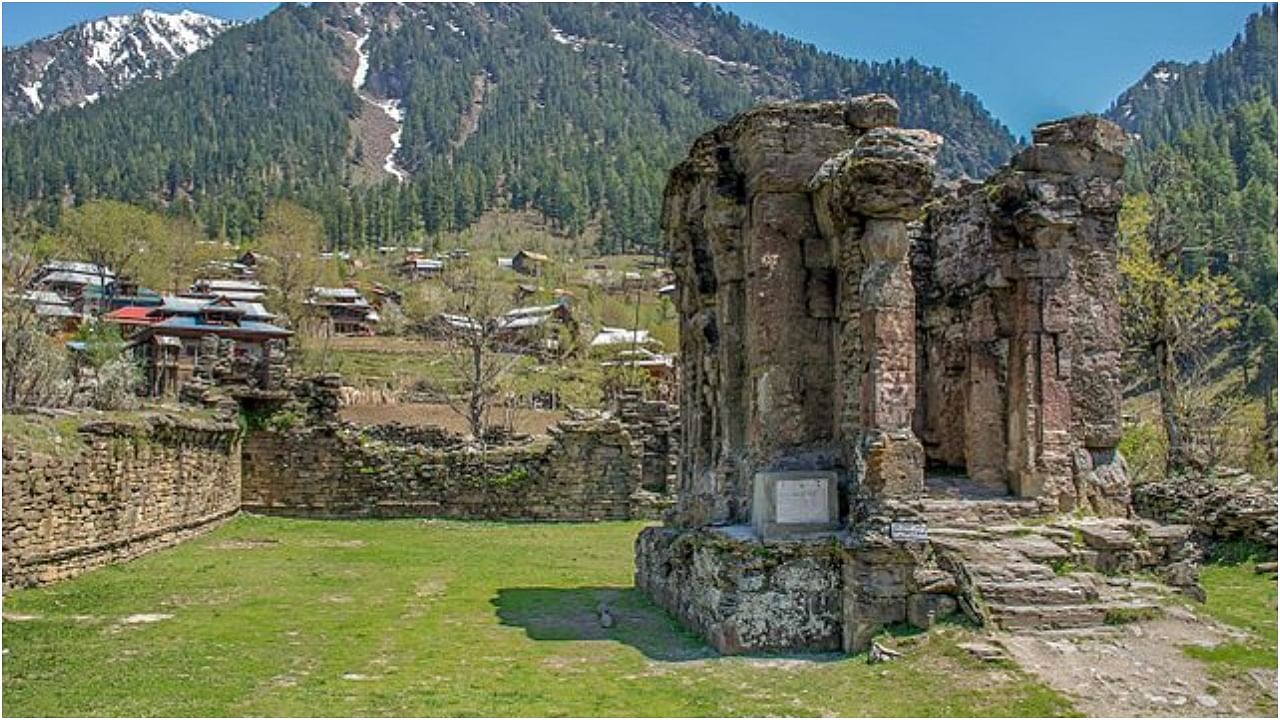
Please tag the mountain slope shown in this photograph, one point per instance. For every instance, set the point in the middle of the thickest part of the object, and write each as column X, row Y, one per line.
column 1174, row 96
column 398, row 120
column 1207, row 156
column 95, row 59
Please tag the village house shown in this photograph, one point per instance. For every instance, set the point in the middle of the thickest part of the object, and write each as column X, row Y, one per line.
column 522, row 330
column 120, row 293
column 383, row 294
column 53, row 307
column 661, row 368
column 243, row 266
column 611, row 337
column 244, row 290
column 167, row 340
column 525, row 328
column 69, row 279
column 345, row 310
column 421, row 268
column 529, row 263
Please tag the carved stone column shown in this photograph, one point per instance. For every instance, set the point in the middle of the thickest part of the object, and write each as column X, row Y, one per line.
column 881, row 185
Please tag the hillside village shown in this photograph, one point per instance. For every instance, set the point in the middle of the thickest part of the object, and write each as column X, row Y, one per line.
column 588, row 322
column 661, row 365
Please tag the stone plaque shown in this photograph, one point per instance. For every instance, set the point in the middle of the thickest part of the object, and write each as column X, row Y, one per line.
column 795, row 503
column 801, row 501
column 909, row 531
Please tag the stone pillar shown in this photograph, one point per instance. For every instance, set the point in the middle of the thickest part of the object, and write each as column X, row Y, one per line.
column 873, row 191
column 1058, row 229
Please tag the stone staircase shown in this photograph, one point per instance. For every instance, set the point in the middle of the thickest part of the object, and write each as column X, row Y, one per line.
column 1019, row 572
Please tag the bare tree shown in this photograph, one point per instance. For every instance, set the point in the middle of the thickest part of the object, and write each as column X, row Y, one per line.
column 475, row 331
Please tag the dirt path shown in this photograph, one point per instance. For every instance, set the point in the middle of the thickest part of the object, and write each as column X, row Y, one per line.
column 1141, row 670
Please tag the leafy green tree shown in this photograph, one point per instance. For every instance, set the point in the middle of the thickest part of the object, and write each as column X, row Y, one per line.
column 1172, row 320
column 291, row 241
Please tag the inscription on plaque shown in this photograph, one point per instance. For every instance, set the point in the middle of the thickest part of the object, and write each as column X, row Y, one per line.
column 909, row 531
column 802, row 501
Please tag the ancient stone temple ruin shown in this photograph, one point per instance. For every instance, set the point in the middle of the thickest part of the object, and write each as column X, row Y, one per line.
column 871, row 359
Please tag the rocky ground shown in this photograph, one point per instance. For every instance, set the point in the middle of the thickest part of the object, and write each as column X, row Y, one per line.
column 1142, row 669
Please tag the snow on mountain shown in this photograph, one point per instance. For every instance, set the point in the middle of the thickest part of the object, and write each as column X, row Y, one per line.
column 1150, row 91
column 83, row 63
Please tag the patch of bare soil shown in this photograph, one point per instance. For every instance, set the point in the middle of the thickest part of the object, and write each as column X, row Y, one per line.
column 1138, row 670
column 137, row 619
column 19, row 617
column 527, row 422
column 332, row 543
column 480, row 87
column 371, row 134
column 244, row 544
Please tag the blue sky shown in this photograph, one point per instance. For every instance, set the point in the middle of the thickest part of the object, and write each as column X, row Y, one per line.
column 1027, row 62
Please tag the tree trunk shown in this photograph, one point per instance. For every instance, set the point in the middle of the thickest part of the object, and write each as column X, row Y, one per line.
column 476, row 408
column 1177, row 458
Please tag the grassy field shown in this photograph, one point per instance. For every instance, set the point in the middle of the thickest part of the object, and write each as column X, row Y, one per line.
column 284, row 617
column 1247, row 600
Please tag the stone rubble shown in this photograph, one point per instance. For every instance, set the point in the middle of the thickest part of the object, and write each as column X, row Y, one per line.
column 1225, row 508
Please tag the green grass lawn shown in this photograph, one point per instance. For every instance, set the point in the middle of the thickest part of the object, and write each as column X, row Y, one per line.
column 287, row 617
column 1244, row 599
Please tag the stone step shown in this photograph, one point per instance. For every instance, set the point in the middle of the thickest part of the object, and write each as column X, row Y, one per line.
column 1010, row 571
column 1034, row 547
column 980, row 513
column 1058, row 591
column 1056, row 617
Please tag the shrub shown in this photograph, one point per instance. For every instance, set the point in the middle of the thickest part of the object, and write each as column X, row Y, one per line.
column 1143, row 447
column 36, row 371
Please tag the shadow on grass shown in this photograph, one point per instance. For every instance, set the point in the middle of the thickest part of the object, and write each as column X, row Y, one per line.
column 548, row 613
column 573, row 614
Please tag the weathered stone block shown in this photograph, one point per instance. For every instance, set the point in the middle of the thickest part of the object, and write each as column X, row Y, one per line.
column 893, row 463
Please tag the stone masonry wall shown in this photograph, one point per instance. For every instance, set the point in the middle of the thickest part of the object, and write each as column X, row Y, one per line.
column 1225, row 508
column 770, row 285
column 654, row 426
column 585, row 471
column 134, row 488
column 1018, row 323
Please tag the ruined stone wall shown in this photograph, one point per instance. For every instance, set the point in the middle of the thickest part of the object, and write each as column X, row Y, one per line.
column 132, row 489
column 771, row 337
column 1224, row 508
column 839, row 313
column 740, row 598
column 1018, row 323
column 654, row 426
column 585, row 471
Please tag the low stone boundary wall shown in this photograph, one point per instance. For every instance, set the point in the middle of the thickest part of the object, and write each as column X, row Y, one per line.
column 585, row 471
column 133, row 488
column 1226, row 508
